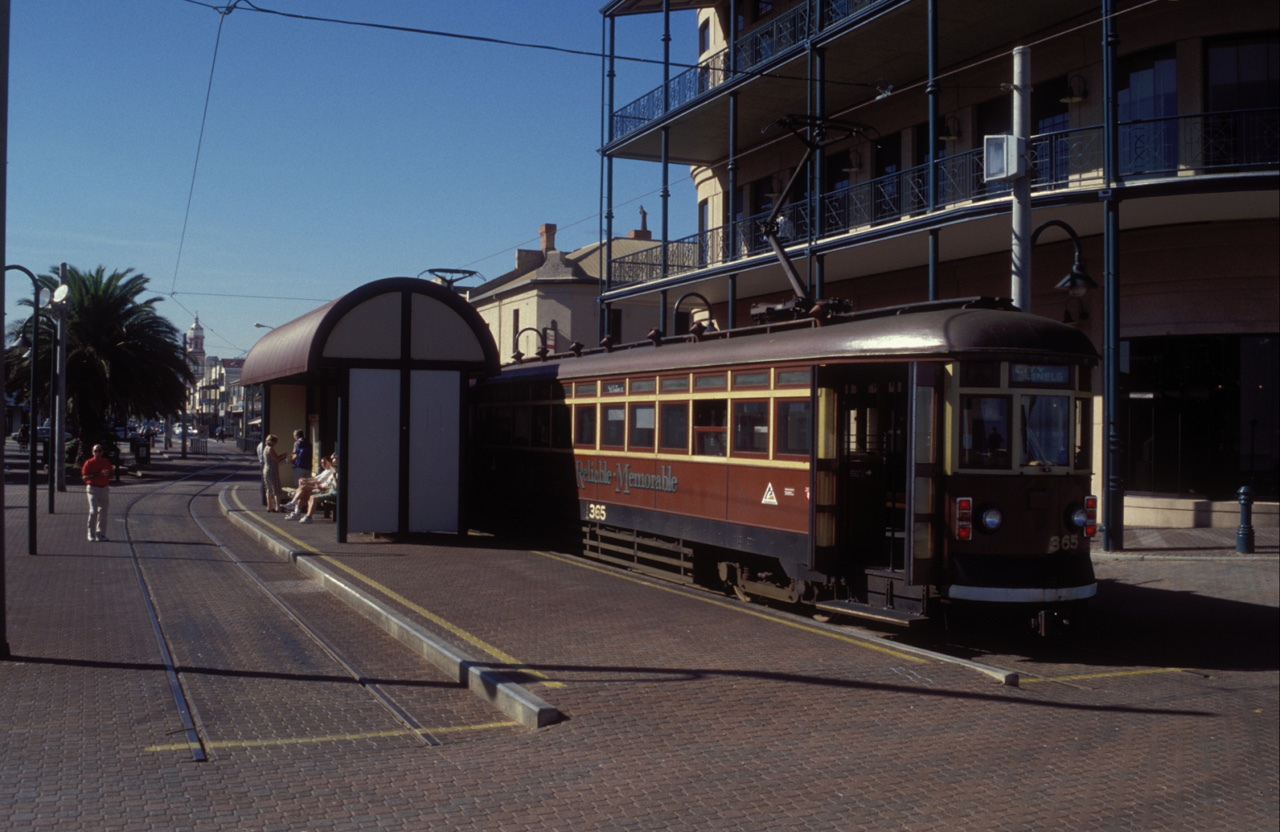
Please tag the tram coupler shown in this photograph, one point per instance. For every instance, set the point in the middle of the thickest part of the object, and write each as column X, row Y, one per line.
column 1049, row 622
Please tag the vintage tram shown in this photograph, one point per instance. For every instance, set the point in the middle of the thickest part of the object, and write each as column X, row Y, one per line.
column 879, row 464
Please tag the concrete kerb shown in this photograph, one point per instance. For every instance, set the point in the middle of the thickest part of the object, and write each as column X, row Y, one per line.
column 509, row 698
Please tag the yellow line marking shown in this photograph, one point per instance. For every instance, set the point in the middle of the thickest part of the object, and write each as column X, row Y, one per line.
column 1108, row 675
column 474, row 641
column 369, row 735
column 734, row 607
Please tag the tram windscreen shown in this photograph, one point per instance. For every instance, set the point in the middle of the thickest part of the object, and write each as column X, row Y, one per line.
column 984, row 432
column 1047, row 430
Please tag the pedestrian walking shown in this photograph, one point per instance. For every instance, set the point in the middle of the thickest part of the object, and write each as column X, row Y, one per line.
column 96, row 473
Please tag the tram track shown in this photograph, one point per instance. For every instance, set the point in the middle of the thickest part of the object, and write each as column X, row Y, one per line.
column 196, row 735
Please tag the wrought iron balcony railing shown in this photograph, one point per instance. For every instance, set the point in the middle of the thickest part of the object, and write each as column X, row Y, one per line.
column 755, row 50
column 1204, row 143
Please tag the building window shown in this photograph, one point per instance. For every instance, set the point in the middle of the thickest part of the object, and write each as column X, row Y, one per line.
column 1202, row 416
column 1243, row 77
column 615, row 325
column 1148, row 104
column 515, row 330
column 888, row 162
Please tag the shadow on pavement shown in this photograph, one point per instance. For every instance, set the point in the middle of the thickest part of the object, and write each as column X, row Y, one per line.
column 1131, row 625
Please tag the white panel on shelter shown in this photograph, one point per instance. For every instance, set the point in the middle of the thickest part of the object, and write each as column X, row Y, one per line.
column 373, row 451
column 434, row 434
column 370, row 330
column 439, row 333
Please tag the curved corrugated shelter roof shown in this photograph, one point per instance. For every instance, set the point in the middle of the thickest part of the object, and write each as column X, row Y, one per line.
column 391, row 320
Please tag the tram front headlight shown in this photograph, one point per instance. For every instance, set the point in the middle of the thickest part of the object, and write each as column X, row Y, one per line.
column 991, row 519
column 1080, row 518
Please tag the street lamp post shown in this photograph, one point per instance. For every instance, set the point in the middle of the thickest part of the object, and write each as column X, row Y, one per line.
column 55, row 460
column 31, row 429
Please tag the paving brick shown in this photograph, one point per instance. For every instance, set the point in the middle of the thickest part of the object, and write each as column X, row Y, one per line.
column 684, row 710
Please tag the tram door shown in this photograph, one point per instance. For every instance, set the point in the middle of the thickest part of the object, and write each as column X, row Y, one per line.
column 872, row 424
column 885, row 425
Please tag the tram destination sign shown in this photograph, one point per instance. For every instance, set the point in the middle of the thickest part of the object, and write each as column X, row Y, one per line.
column 1043, row 374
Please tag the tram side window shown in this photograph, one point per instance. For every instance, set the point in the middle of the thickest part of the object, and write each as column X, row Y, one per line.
column 1046, row 430
column 674, row 424
column 613, row 425
column 541, row 423
column 710, row 427
column 561, row 426
column 520, row 425
column 984, row 432
column 791, row 426
column 642, row 427
column 502, row 425
column 584, row 430
column 751, row 427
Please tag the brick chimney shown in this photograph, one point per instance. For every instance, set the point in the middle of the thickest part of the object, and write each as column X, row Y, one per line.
column 642, row 233
column 548, row 233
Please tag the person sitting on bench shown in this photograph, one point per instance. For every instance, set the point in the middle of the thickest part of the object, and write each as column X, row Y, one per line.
column 308, row 486
column 318, row 497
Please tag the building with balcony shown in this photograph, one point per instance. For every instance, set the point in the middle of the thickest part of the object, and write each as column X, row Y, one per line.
column 551, row 298
column 1160, row 116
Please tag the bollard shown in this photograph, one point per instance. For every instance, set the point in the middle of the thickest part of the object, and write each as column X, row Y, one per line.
column 1244, row 534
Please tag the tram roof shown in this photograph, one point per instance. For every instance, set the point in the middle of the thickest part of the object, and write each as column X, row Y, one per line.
column 973, row 327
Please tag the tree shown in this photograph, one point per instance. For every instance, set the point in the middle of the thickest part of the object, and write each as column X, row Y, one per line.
column 123, row 358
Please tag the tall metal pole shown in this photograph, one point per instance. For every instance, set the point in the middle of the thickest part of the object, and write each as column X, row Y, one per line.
column 1113, row 493
column 4, row 155
column 932, row 96
column 1022, row 184
column 62, row 388
column 31, row 419
column 55, row 435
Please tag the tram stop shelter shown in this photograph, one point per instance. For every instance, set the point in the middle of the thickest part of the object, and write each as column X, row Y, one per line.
column 378, row 378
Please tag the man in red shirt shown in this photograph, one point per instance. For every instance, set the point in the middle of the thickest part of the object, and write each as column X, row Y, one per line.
column 96, row 474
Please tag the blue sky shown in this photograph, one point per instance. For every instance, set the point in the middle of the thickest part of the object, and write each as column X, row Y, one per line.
column 332, row 155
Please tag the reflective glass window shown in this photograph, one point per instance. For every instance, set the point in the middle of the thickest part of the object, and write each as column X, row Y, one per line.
column 984, row 432
column 613, row 425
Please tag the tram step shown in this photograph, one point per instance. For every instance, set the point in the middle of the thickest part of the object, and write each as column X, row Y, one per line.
column 860, row 610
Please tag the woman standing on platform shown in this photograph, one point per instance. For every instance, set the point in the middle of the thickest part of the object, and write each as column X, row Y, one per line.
column 271, row 472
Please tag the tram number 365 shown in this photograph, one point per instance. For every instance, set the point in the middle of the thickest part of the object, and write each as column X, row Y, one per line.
column 1064, row 543
column 595, row 511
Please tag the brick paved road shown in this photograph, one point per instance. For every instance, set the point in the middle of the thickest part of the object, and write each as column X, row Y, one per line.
column 684, row 710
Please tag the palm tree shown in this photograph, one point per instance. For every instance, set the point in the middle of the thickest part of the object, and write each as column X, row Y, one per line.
column 123, row 358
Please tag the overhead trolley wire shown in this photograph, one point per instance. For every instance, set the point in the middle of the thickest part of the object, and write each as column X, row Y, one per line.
column 204, row 117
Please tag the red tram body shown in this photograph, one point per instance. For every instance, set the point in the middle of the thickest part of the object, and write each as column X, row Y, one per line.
column 874, row 464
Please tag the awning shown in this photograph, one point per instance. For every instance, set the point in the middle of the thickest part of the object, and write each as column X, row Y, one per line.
column 397, row 319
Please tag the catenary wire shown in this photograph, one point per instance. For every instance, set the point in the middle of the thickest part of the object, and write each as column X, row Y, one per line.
column 204, row 117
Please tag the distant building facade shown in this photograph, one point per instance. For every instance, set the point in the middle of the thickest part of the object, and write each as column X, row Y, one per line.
column 551, row 297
